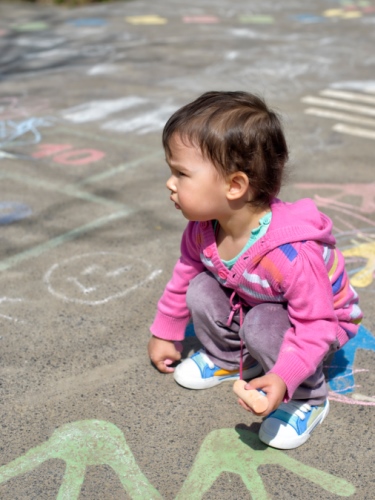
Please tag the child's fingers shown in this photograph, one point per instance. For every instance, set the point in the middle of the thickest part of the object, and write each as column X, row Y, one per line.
column 255, row 383
column 244, row 405
column 167, row 364
column 163, row 365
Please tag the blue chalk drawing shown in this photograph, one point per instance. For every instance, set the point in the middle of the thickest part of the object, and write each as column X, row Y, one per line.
column 340, row 372
column 309, row 18
column 11, row 211
column 88, row 22
column 27, row 130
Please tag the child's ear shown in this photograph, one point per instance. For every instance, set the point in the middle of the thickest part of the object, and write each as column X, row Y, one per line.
column 238, row 185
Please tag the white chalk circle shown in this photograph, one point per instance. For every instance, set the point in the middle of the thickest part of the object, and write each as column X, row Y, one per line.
column 96, row 278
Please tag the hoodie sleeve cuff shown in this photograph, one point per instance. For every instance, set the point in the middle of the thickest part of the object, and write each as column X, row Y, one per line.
column 167, row 328
column 293, row 373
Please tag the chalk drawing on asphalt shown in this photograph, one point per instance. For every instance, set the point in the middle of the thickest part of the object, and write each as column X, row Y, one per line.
column 365, row 276
column 8, row 301
column 12, row 107
column 240, row 452
column 144, row 123
column 256, row 19
column 200, row 19
column 22, row 133
column 31, row 26
column 152, row 19
column 350, row 10
column 307, row 18
column 94, row 442
column 99, row 277
column 101, row 109
column 138, row 119
column 12, row 211
column 40, row 43
column 90, row 22
column 65, row 154
column 353, row 224
column 341, row 371
column 345, row 11
column 80, row 445
column 103, row 69
column 353, row 112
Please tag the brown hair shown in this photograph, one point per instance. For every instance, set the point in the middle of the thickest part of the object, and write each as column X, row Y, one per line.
column 236, row 131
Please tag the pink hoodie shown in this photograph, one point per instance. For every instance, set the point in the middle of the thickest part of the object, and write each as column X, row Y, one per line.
column 295, row 262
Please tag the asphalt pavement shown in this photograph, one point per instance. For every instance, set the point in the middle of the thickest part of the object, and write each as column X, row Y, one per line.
column 88, row 239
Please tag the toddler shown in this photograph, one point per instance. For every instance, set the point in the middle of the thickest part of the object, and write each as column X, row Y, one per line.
column 260, row 278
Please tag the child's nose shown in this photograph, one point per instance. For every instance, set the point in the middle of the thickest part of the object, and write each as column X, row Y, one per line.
column 171, row 185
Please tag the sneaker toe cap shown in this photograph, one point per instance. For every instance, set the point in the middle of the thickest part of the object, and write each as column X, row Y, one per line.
column 188, row 374
column 280, row 434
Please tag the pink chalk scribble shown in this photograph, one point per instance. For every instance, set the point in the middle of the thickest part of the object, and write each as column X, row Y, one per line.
column 340, row 398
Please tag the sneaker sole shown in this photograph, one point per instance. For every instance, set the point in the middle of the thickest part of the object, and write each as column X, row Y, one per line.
column 207, row 383
column 202, row 383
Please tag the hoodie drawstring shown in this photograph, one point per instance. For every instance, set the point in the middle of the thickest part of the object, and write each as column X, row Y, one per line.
column 234, row 308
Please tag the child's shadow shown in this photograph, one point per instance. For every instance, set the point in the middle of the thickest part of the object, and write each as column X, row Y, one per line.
column 248, row 434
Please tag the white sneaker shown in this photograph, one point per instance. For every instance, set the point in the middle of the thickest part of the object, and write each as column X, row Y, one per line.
column 199, row 372
column 291, row 424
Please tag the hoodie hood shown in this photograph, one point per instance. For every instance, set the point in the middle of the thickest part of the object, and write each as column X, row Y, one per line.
column 298, row 221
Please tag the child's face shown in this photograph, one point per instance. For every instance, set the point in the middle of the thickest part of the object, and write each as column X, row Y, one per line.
column 197, row 189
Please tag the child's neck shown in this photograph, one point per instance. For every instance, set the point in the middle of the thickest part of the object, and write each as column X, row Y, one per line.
column 235, row 231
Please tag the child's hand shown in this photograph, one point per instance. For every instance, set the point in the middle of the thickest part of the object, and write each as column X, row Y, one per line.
column 273, row 386
column 163, row 353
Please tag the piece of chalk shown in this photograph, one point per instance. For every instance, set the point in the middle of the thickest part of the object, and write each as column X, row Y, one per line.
column 253, row 398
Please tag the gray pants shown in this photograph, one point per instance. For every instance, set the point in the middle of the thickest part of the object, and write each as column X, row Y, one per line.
column 262, row 332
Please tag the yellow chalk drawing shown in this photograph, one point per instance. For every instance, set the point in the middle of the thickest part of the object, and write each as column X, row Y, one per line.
column 333, row 12
column 366, row 276
column 351, row 14
column 151, row 19
column 94, row 442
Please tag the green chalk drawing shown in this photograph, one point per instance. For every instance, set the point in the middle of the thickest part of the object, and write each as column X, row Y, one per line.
column 32, row 26
column 94, row 442
column 81, row 444
column 240, row 452
column 63, row 238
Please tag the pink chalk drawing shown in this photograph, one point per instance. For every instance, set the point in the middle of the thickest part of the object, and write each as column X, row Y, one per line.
column 13, row 107
column 200, row 19
column 64, row 154
column 353, row 225
column 79, row 157
column 50, row 150
column 364, row 191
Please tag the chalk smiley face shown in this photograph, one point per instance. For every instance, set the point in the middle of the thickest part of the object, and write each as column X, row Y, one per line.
column 97, row 278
